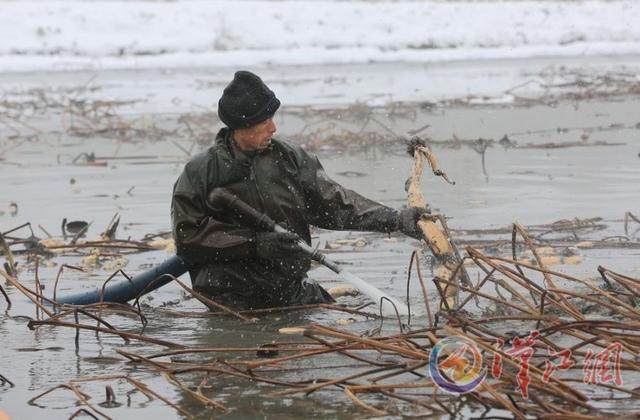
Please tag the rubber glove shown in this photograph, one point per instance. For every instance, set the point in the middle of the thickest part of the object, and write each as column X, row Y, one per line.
column 277, row 245
column 408, row 221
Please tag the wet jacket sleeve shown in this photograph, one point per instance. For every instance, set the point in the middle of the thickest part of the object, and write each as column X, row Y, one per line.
column 331, row 206
column 199, row 235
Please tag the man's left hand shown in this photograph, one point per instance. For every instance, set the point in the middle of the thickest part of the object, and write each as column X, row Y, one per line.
column 408, row 221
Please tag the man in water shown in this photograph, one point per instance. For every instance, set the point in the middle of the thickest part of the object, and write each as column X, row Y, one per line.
column 234, row 264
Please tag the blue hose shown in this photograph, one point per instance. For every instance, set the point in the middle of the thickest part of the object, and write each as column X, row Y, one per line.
column 125, row 290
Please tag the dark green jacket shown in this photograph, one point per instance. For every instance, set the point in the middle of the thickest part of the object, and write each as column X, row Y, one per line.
column 286, row 183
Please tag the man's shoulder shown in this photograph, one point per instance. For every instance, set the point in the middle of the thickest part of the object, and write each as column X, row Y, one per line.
column 208, row 155
column 284, row 144
column 198, row 161
column 291, row 149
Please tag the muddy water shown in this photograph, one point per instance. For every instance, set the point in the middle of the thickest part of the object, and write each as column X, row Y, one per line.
column 529, row 185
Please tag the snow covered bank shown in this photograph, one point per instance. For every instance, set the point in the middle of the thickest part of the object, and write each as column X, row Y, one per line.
column 36, row 35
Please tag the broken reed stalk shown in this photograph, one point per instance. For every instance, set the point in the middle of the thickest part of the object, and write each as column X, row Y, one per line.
column 210, row 302
column 123, row 334
column 84, row 398
column 472, row 295
column 9, row 256
column 349, row 391
column 112, row 307
column 630, row 284
column 328, row 306
column 60, row 270
column 400, row 359
column 143, row 319
column 111, row 277
column 627, row 217
column 119, row 244
column 82, row 411
column 337, row 347
column 344, row 352
column 489, row 297
column 80, row 396
column 232, row 372
column 205, row 350
column 316, row 386
column 207, row 402
column 435, row 236
column 425, row 295
column 547, row 277
column 6, row 297
column 142, row 387
column 4, row 380
column 38, row 286
column 515, row 276
column 489, row 394
column 586, row 284
column 31, row 295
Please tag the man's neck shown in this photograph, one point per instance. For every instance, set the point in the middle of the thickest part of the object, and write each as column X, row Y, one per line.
column 239, row 144
column 238, row 149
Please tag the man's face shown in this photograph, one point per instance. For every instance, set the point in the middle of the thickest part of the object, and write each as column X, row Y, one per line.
column 257, row 137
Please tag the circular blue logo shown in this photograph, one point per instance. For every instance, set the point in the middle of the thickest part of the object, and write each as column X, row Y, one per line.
column 455, row 365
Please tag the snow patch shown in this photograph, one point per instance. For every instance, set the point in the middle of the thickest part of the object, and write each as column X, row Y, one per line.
column 71, row 34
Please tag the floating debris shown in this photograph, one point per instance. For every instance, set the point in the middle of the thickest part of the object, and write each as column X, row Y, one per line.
column 340, row 291
column 88, row 159
column 292, row 330
column 388, row 368
column 4, row 381
column 268, row 350
column 13, row 209
column 74, row 227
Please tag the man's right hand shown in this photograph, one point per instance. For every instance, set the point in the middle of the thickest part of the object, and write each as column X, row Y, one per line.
column 408, row 221
column 277, row 245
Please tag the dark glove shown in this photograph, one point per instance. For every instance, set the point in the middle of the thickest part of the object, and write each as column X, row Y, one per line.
column 277, row 245
column 408, row 221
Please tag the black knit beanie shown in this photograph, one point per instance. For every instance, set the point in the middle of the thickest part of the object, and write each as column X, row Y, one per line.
column 246, row 101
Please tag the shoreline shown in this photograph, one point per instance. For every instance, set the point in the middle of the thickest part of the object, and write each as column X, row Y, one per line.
column 493, row 82
column 261, row 59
